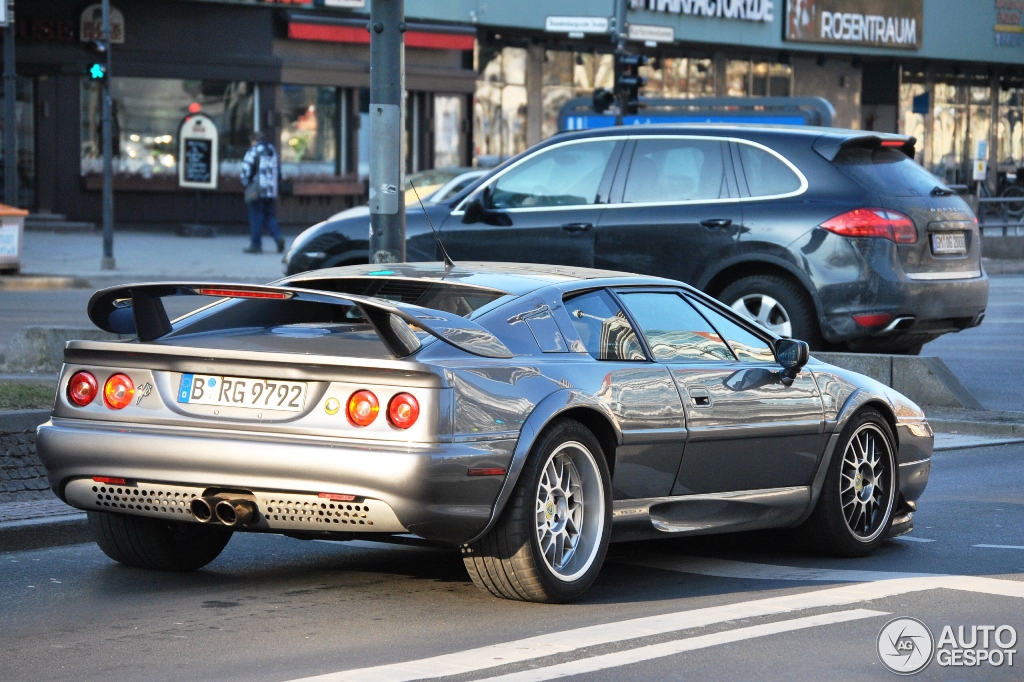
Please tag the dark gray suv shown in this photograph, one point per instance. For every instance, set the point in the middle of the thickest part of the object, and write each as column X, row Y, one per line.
column 833, row 236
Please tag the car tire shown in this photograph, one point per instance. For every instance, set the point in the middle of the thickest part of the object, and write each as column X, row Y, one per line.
column 562, row 501
column 854, row 511
column 155, row 543
column 777, row 304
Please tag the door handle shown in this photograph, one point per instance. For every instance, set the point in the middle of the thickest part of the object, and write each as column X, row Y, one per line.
column 712, row 223
column 574, row 228
column 699, row 396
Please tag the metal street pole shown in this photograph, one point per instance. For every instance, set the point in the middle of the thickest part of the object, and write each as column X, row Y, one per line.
column 107, row 262
column 620, row 46
column 10, row 112
column 387, row 108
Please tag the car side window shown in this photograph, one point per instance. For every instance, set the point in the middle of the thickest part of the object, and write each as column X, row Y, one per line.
column 679, row 169
column 603, row 327
column 568, row 175
column 674, row 330
column 766, row 174
column 747, row 346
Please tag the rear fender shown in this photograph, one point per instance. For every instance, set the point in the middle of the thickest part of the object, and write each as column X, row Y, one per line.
column 543, row 414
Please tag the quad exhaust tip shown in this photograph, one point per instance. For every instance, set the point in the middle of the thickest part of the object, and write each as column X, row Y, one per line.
column 230, row 512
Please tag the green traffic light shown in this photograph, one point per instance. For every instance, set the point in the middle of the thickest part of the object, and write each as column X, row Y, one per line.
column 97, row 71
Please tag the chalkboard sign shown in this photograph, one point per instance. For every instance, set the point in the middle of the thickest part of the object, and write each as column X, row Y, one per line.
column 198, row 160
column 197, row 153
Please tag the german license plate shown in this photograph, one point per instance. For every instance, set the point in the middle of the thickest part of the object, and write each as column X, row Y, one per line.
column 948, row 242
column 262, row 394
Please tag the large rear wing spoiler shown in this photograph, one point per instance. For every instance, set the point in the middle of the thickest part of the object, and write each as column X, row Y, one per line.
column 138, row 309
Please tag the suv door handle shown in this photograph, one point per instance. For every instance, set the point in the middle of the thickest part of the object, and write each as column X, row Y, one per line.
column 573, row 228
column 712, row 223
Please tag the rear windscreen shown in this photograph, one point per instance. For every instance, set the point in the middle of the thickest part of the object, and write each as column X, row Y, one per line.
column 887, row 171
column 253, row 313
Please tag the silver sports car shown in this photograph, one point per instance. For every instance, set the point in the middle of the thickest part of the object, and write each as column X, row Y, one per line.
column 526, row 414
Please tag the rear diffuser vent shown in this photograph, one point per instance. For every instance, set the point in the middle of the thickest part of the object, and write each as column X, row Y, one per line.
column 329, row 513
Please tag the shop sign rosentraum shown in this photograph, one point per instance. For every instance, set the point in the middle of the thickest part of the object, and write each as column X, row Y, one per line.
column 748, row 10
column 875, row 23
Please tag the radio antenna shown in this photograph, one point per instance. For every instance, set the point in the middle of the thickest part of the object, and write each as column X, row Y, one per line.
column 448, row 262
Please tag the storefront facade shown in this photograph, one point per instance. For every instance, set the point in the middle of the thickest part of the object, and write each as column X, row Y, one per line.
column 485, row 81
column 300, row 77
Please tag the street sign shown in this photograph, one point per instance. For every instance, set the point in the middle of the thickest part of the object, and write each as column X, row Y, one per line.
column 576, row 25
column 647, row 33
column 90, row 25
column 198, row 163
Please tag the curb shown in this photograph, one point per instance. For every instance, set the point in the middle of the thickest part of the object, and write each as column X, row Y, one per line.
column 41, row 283
column 17, row 421
column 71, row 529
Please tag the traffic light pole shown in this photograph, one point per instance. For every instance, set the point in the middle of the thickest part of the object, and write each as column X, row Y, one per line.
column 10, row 114
column 107, row 262
column 387, row 100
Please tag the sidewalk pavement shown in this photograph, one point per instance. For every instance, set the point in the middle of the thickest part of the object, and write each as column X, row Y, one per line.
column 149, row 256
column 32, row 517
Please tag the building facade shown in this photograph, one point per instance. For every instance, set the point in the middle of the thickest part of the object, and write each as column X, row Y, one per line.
column 485, row 80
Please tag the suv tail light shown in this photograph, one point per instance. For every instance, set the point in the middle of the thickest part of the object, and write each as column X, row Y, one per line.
column 403, row 411
column 118, row 391
column 362, row 408
column 82, row 388
column 873, row 222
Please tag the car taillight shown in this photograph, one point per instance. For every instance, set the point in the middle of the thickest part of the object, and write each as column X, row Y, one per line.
column 118, row 391
column 82, row 388
column 873, row 222
column 362, row 408
column 403, row 411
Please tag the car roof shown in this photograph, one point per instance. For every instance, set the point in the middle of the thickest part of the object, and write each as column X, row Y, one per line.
column 514, row 278
column 737, row 129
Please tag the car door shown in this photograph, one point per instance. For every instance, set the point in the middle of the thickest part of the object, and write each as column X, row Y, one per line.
column 543, row 209
column 674, row 208
column 640, row 393
column 747, row 429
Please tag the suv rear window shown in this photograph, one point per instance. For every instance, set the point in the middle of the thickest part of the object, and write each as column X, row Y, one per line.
column 889, row 172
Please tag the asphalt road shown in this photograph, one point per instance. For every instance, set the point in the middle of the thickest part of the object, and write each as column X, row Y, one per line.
column 751, row 606
column 971, row 354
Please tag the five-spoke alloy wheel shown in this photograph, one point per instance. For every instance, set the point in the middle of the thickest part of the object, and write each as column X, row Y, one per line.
column 552, row 537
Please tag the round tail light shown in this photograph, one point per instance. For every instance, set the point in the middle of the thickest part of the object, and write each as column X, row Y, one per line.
column 403, row 411
column 118, row 391
column 82, row 388
column 362, row 408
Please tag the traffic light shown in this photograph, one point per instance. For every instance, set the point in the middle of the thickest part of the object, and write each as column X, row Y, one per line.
column 628, row 81
column 97, row 70
column 603, row 98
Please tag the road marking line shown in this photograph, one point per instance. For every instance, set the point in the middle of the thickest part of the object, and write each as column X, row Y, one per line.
column 911, row 538
column 725, row 568
column 530, row 648
column 1000, row 546
column 647, row 653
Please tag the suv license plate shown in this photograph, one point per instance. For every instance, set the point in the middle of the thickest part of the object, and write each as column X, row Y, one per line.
column 948, row 242
column 261, row 394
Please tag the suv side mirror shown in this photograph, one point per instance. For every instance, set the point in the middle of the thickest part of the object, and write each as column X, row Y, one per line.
column 792, row 354
column 474, row 211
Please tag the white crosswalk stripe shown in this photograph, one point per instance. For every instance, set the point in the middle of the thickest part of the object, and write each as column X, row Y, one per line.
column 875, row 585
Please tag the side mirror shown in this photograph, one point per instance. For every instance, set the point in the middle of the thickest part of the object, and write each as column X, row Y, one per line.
column 474, row 211
column 792, row 355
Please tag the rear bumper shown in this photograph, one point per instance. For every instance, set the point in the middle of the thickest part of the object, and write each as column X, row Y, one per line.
column 426, row 486
column 934, row 307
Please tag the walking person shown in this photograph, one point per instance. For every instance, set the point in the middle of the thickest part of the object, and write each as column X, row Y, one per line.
column 260, row 171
